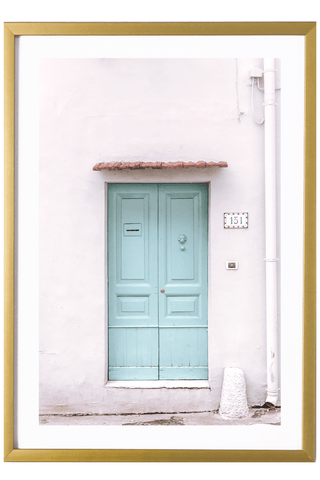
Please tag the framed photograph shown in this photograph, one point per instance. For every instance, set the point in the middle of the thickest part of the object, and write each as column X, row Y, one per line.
column 160, row 242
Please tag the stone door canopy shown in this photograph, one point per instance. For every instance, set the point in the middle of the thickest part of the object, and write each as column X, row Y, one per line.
column 156, row 165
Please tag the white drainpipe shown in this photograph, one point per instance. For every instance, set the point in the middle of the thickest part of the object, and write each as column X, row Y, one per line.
column 271, row 232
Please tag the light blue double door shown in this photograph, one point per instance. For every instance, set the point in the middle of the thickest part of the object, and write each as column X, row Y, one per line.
column 157, row 281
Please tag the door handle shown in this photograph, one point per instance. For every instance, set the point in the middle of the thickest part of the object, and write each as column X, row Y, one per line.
column 162, row 291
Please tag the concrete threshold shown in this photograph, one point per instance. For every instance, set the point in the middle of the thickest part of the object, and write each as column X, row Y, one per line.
column 257, row 416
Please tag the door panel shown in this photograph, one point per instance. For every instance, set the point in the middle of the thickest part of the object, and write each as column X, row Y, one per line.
column 133, row 353
column 183, row 353
column 133, row 303
column 157, row 240
column 180, row 221
column 183, row 311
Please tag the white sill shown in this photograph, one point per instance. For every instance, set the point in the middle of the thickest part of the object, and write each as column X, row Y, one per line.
column 159, row 384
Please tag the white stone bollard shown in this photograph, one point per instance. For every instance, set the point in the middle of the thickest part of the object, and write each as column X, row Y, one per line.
column 233, row 402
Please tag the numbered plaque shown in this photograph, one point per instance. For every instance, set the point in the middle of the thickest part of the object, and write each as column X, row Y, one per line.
column 236, row 220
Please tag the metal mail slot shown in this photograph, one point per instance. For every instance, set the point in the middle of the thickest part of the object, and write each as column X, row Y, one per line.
column 132, row 229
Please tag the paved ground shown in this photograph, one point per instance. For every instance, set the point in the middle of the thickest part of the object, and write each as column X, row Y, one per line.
column 257, row 416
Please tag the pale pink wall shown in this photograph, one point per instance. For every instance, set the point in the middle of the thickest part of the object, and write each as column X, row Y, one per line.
column 151, row 110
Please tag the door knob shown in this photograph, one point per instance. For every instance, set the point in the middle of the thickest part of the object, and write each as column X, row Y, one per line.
column 162, row 291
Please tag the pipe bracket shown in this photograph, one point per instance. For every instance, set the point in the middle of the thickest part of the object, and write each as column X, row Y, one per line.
column 270, row 102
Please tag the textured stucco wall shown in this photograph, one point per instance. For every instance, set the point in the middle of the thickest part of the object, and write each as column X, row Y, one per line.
column 105, row 110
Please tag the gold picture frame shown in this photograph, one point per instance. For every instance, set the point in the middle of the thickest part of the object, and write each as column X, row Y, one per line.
column 307, row 453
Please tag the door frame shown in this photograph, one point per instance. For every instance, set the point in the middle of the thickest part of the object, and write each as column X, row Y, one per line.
column 156, row 383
